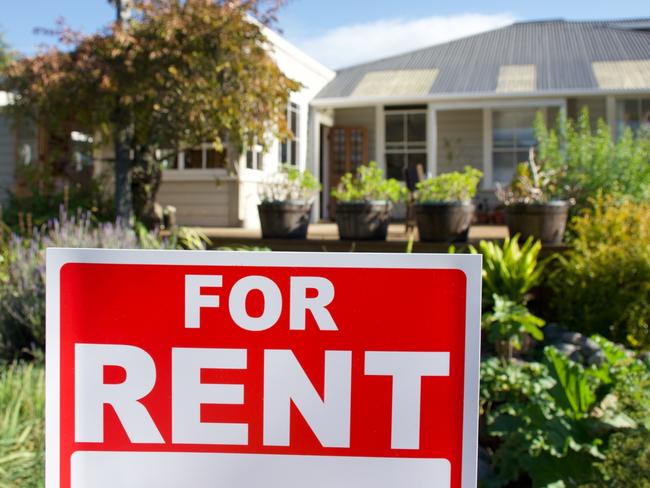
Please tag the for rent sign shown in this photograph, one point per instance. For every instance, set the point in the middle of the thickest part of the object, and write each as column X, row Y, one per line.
column 242, row 370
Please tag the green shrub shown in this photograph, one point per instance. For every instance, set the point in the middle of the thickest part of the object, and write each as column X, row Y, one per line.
column 602, row 285
column 627, row 461
column 553, row 420
column 510, row 270
column 22, row 411
column 507, row 323
column 449, row 187
column 368, row 184
column 588, row 161
column 290, row 184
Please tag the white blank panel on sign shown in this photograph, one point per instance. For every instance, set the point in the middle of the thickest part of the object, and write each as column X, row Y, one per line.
column 211, row 470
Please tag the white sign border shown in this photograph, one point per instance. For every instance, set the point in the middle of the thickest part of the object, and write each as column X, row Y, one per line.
column 469, row 264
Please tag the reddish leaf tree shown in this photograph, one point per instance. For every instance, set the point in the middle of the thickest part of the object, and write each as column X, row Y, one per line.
column 175, row 74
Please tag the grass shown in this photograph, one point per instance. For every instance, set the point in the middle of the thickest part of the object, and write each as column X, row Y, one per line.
column 22, row 411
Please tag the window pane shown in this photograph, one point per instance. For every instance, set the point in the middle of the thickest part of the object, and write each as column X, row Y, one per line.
column 394, row 128
column 503, row 167
column 503, row 137
column 293, row 123
column 250, row 155
column 395, row 164
column 194, row 159
column 645, row 113
column 525, row 137
column 215, row 159
column 283, row 152
column 294, row 152
column 417, row 128
column 417, row 159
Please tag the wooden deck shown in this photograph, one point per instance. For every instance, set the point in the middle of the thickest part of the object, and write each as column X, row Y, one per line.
column 324, row 237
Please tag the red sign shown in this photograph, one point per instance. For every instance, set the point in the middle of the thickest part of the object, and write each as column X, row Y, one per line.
column 203, row 369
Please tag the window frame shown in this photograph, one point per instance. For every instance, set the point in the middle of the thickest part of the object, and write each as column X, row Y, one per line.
column 204, row 148
column 287, row 145
column 514, row 148
column 620, row 124
column 405, row 147
column 256, row 153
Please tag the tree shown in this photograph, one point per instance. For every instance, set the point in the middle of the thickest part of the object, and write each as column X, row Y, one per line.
column 177, row 73
column 5, row 54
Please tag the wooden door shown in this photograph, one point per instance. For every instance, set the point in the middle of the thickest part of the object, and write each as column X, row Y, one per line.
column 348, row 151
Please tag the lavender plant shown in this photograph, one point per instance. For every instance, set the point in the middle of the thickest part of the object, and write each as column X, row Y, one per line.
column 22, row 280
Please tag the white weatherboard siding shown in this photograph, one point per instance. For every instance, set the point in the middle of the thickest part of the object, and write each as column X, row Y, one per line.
column 206, row 202
column 460, row 139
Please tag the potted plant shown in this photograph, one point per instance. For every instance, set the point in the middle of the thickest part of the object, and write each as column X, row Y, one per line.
column 533, row 203
column 443, row 205
column 285, row 203
column 364, row 203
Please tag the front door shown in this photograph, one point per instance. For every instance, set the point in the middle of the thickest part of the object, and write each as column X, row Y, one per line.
column 348, row 151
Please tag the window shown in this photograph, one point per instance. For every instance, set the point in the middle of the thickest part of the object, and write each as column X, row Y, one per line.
column 406, row 141
column 512, row 136
column 255, row 157
column 632, row 113
column 290, row 148
column 203, row 157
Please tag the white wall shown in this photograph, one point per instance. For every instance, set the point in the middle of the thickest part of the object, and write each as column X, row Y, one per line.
column 313, row 77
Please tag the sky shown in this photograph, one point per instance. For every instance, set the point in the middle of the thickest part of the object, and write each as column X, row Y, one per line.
column 339, row 33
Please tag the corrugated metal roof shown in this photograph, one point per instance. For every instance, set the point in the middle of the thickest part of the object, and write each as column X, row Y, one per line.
column 562, row 53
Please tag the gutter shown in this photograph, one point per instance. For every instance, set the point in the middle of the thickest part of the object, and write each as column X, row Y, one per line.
column 345, row 102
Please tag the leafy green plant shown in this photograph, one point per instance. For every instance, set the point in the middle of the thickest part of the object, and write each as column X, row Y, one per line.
column 531, row 183
column 290, row 184
column 587, row 162
column 22, row 411
column 368, row 184
column 553, row 419
column 602, row 284
column 449, row 187
column 510, row 270
column 507, row 323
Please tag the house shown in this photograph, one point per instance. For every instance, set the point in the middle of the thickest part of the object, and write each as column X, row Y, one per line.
column 472, row 101
column 207, row 187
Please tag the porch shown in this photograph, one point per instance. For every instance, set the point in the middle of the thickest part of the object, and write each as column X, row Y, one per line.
column 323, row 236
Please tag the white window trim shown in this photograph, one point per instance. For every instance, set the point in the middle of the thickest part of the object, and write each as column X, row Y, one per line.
column 488, row 149
column 180, row 163
column 297, row 108
column 257, row 150
column 405, row 149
